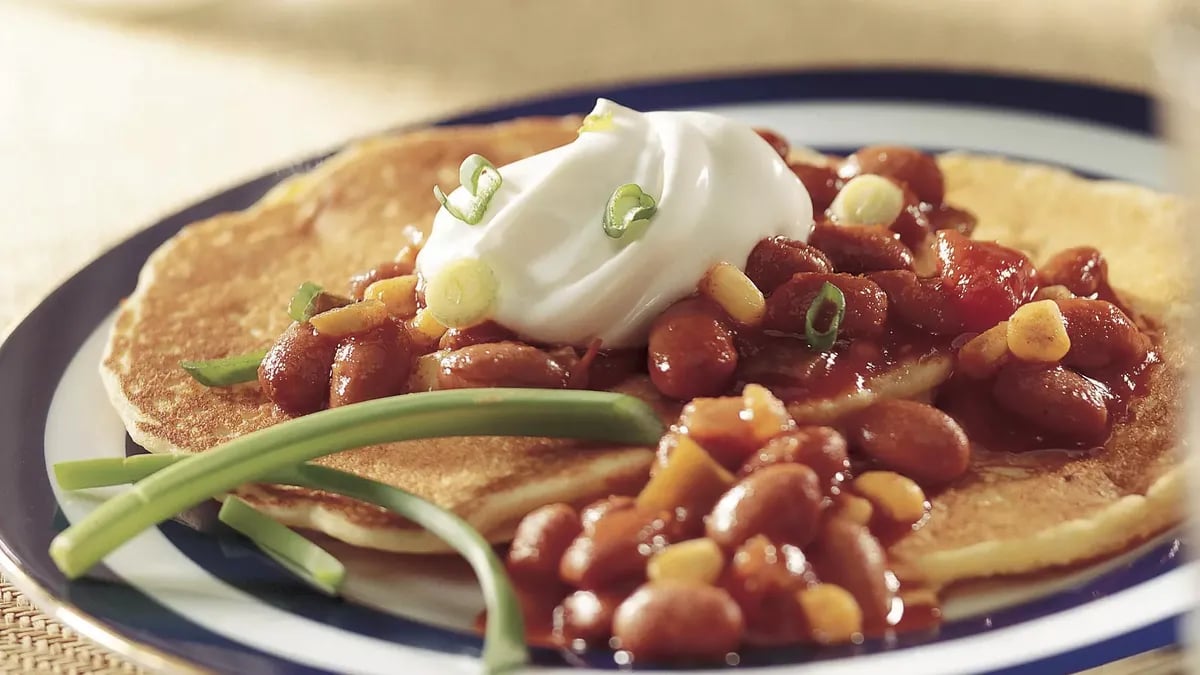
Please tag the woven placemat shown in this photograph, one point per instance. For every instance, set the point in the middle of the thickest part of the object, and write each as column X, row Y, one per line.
column 30, row 642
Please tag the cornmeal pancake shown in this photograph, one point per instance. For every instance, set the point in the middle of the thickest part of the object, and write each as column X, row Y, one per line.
column 1014, row 514
column 218, row 288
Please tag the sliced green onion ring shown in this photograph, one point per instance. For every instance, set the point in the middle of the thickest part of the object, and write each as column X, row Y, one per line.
column 628, row 212
column 602, row 121
column 226, row 371
column 300, row 556
column 301, row 306
column 823, row 340
column 471, row 170
column 463, row 293
column 481, row 180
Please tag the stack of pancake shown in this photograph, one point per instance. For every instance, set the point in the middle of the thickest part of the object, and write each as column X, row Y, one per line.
column 220, row 287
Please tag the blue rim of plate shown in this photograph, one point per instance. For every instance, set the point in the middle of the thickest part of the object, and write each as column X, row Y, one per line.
column 35, row 355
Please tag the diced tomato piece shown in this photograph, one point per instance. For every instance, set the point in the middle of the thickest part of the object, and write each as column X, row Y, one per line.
column 984, row 281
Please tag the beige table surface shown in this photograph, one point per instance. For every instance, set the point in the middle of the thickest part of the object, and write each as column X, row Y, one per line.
column 109, row 119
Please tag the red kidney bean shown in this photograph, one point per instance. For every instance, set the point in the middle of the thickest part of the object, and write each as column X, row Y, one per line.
column 913, row 229
column 983, row 281
column 858, row 249
column 295, row 372
column 943, row 217
column 782, row 502
column 1102, row 336
column 387, row 270
column 614, row 549
column 913, row 168
column 918, row 302
column 592, row 513
column 503, row 364
column 822, row 183
column 763, row 579
column 586, row 616
column 1060, row 401
column 866, row 304
column 678, row 620
column 692, row 352
column 540, row 541
column 370, row 365
column 488, row 331
column 821, row 448
column 912, row 438
column 613, row 367
column 1082, row 270
column 778, row 143
column 848, row 555
column 773, row 261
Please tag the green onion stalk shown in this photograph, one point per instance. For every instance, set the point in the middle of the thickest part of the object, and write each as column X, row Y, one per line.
column 275, row 454
column 292, row 550
column 504, row 637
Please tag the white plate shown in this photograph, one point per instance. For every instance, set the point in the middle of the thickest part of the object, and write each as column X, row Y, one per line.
column 192, row 599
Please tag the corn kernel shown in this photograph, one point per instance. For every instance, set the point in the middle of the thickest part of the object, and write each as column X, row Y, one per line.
column 698, row 560
column 983, row 354
column 355, row 318
column 399, row 294
column 424, row 329
column 425, row 372
column 855, row 509
column 766, row 415
column 1037, row 332
column 730, row 288
column 1053, row 293
column 898, row 497
column 832, row 613
column 867, row 200
column 462, row 293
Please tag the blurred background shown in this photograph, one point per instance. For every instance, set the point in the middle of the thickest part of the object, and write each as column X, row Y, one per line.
column 112, row 112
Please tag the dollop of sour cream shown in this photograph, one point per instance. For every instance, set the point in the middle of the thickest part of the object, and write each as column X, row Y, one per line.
column 560, row 279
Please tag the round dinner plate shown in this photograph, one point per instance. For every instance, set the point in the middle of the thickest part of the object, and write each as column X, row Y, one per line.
column 175, row 598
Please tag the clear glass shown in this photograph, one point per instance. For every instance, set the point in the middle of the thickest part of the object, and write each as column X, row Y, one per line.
column 1177, row 56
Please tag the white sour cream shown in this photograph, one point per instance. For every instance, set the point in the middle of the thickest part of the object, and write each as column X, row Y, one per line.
column 561, row 280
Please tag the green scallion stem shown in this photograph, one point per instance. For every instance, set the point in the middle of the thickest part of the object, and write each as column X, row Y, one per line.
column 504, row 644
column 301, row 306
column 93, row 473
column 300, row 556
column 504, row 637
column 226, row 371
column 584, row 415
